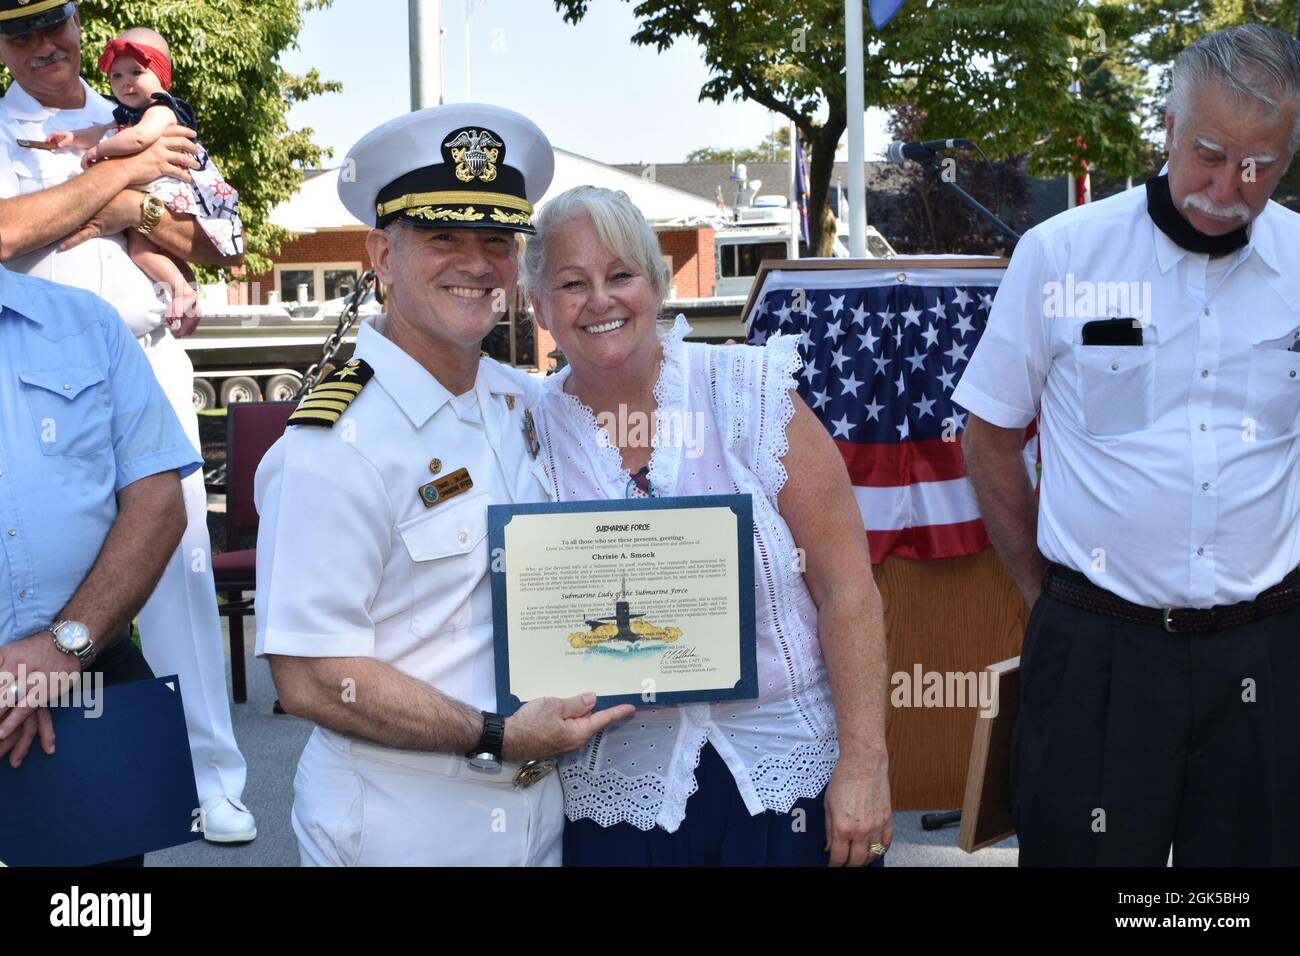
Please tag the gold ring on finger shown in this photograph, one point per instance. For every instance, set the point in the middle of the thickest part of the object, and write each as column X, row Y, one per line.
column 879, row 849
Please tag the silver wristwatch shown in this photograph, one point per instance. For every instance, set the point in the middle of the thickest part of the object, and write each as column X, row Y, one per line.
column 73, row 637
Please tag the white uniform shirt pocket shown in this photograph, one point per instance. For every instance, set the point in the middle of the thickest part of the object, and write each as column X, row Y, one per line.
column 1273, row 395
column 448, row 552
column 1117, row 387
column 27, row 175
column 70, row 409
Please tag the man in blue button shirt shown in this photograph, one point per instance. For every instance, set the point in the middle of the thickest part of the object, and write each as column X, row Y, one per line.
column 91, row 460
column 61, row 223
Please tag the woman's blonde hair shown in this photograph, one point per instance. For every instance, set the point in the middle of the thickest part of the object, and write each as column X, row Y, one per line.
column 619, row 225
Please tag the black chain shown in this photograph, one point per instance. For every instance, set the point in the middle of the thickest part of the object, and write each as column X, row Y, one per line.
column 347, row 319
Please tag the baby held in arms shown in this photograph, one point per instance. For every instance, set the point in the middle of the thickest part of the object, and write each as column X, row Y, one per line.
column 138, row 65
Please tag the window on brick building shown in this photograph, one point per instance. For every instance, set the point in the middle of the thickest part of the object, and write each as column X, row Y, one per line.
column 324, row 280
column 339, row 282
column 290, row 281
column 743, row 259
column 514, row 339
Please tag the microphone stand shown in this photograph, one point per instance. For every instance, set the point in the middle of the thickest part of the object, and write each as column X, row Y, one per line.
column 931, row 166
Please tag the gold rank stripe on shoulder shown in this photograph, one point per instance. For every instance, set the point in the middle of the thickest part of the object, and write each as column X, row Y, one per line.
column 325, row 404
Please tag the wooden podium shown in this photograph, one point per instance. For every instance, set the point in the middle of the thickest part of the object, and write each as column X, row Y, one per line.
column 954, row 614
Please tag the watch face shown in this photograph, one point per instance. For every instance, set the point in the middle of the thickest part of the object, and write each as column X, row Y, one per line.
column 73, row 636
column 485, row 763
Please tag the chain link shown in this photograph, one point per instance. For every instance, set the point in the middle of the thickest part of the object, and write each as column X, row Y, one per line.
column 347, row 319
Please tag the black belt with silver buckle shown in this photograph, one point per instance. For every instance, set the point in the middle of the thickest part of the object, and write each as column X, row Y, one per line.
column 1071, row 587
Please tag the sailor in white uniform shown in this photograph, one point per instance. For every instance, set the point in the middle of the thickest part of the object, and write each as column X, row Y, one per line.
column 46, row 197
column 374, row 605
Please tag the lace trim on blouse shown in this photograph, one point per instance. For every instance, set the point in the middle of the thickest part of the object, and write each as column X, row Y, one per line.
column 669, row 394
column 796, row 745
column 783, row 366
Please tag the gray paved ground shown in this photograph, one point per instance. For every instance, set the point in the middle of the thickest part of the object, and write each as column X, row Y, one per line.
column 271, row 745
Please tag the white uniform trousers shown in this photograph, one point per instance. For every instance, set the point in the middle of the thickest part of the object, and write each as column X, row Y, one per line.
column 359, row 804
column 180, row 631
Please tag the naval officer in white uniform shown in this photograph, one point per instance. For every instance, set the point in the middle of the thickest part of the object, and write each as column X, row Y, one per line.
column 374, row 604
column 45, row 198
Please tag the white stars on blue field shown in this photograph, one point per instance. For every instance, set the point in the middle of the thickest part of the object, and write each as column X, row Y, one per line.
column 880, row 364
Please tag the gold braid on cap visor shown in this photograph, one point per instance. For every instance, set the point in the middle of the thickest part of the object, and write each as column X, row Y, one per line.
column 453, row 197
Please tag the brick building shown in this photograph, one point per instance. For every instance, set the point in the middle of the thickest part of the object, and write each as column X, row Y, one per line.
column 328, row 254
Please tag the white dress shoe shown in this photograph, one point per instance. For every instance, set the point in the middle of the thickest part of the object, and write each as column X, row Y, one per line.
column 226, row 820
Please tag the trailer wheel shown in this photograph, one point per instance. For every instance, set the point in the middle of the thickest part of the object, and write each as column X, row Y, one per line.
column 239, row 389
column 205, row 396
column 282, row 388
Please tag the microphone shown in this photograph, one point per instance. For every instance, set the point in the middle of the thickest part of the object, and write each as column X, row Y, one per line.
column 923, row 151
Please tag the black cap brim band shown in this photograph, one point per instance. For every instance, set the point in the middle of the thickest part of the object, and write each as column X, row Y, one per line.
column 14, row 23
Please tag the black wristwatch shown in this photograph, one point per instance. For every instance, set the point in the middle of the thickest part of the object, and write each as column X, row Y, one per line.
column 486, row 755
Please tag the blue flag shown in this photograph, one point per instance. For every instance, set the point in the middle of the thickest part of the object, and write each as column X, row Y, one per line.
column 882, row 11
column 801, row 188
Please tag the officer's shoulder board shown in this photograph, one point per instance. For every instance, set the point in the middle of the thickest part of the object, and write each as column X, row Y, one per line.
column 325, row 404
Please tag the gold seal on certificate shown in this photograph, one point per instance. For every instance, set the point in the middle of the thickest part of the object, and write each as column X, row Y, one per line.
column 644, row 602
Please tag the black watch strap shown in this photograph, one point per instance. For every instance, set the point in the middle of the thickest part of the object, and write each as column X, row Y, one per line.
column 493, row 738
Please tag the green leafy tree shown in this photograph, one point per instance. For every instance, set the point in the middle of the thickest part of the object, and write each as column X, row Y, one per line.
column 775, row 148
column 1152, row 33
column 998, row 71
column 919, row 216
column 225, row 58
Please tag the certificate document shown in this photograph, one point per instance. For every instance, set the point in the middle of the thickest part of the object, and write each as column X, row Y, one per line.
column 649, row 601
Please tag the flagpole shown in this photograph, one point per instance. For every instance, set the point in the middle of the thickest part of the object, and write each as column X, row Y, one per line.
column 854, row 82
column 425, row 21
column 1079, row 183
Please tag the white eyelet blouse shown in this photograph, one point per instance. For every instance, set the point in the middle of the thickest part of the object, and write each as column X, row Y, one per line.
column 782, row 746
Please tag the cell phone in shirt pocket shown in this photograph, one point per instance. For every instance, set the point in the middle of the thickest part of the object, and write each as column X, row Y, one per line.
column 1113, row 332
column 1116, row 375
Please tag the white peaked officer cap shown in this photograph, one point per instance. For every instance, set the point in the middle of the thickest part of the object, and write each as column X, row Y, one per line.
column 463, row 165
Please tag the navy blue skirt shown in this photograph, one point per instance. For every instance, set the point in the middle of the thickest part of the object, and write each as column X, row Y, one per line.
column 718, row 831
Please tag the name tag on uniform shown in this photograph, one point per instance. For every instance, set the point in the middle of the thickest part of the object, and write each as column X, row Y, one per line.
column 448, row 486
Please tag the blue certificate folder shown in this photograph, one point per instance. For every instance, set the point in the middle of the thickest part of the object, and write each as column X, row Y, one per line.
column 117, row 785
column 745, row 689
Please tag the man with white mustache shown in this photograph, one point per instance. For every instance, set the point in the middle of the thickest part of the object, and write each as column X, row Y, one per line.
column 65, row 225
column 1158, row 705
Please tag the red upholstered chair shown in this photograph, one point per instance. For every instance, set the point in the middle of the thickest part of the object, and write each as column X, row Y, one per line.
column 251, row 429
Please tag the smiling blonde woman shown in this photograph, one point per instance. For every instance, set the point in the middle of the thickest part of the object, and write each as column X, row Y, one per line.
column 800, row 775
